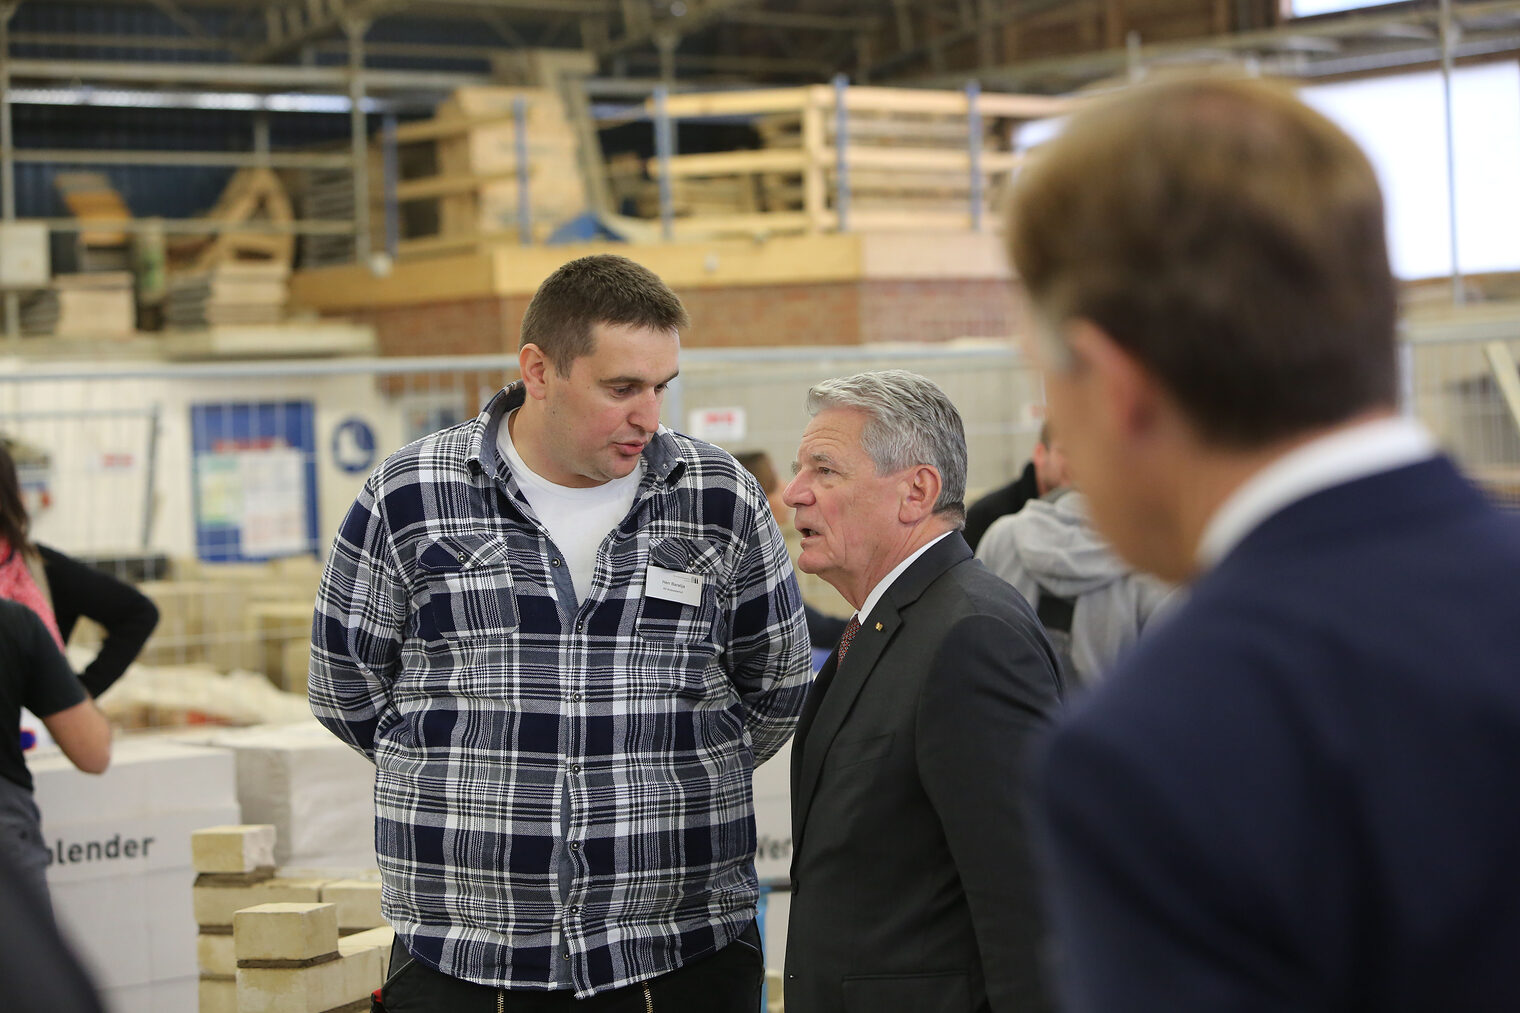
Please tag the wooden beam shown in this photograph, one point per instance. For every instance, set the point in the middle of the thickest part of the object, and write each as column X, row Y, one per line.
column 860, row 99
column 353, row 286
column 732, row 103
column 725, row 163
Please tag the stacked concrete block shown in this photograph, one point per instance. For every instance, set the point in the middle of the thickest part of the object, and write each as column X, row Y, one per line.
column 231, row 860
column 233, row 848
column 366, row 959
column 317, row 792
column 270, row 937
column 291, row 960
column 288, row 959
column 121, row 867
column 357, row 901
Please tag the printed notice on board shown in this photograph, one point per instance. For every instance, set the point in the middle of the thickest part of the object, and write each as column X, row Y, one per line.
column 259, row 491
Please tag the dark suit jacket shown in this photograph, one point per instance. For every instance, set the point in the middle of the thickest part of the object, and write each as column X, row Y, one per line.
column 911, row 886
column 1302, row 792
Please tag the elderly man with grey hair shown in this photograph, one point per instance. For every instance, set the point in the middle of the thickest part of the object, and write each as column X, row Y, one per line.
column 911, row 881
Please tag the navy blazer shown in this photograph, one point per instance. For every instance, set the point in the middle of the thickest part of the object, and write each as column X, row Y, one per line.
column 1303, row 791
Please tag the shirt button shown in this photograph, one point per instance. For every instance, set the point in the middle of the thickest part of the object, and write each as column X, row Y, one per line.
column 580, row 627
column 575, row 768
column 575, row 845
column 461, row 557
column 554, row 561
column 577, row 698
column 565, row 955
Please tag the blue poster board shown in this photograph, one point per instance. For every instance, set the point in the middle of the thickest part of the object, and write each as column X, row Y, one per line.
column 254, row 480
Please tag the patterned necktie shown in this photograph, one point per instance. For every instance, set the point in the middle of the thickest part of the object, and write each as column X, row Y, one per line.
column 848, row 638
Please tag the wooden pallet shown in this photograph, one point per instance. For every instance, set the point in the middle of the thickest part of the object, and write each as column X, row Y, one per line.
column 459, row 178
column 908, row 153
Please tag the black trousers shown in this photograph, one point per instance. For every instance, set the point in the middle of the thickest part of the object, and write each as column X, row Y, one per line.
column 728, row 981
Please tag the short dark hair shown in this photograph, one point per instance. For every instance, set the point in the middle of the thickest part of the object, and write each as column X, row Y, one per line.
column 1228, row 237
column 601, row 289
column 758, row 463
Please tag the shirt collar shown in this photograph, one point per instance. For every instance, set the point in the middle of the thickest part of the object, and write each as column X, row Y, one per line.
column 662, row 456
column 897, row 571
column 1335, row 459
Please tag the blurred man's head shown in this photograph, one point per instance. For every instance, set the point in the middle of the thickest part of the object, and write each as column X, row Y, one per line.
column 758, row 463
column 1209, row 279
column 881, row 472
column 1050, row 471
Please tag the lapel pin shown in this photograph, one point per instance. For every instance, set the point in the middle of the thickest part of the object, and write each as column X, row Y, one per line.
column 878, row 627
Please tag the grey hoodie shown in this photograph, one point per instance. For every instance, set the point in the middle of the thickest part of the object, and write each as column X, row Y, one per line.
column 1051, row 544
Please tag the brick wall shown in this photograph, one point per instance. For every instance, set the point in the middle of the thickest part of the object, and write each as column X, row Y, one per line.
column 462, row 327
column 843, row 313
column 937, row 310
column 774, row 315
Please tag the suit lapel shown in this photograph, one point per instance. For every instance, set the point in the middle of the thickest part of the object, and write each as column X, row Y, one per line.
column 822, row 718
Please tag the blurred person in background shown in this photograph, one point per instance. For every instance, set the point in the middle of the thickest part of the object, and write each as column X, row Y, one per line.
column 35, row 675
column 60, row 589
column 38, row 970
column 1092, row 604
column 1298, row 792
column 824, row 630
column 1045, row 471
column 912, row 887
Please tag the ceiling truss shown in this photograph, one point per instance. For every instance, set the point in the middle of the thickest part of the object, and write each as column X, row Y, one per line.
column 922, row 42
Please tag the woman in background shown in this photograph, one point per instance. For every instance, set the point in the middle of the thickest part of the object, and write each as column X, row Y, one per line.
column 35, row 675
column 60, row 589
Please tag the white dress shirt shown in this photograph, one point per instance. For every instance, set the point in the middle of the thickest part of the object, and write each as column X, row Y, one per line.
column 1335, row 459
column 886, row 582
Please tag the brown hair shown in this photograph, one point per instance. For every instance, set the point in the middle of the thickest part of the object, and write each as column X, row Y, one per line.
column 1231, row 240
column 602, row 289
column 758, row 463
column 14, row 523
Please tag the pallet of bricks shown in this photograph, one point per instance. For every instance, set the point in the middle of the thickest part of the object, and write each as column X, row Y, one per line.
column 272, row 942
column 908, row 159
column 97, row 300
column 457, row 182
column 236, row 616
column 234, row 277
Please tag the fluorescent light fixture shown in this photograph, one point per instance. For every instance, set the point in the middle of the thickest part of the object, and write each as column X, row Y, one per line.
column 230, row 101
column 1036, row 132
column 1310, row 8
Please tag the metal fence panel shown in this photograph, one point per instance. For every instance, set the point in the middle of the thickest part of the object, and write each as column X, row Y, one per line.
column 219, row 487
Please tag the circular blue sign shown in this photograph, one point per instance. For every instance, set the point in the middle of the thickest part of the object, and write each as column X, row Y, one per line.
column 353, row 445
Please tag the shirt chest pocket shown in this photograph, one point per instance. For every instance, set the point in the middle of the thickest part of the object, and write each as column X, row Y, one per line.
column 469, row 590
column 678, row 621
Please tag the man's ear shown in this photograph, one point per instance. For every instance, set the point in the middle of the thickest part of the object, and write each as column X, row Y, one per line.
column 920, row 493
column 534, row 366
column 1125, row 390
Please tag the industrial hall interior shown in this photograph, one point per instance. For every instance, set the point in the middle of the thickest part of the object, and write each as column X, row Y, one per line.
column 716, row 505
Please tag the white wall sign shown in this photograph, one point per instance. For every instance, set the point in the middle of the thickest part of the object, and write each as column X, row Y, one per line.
column 716, row 425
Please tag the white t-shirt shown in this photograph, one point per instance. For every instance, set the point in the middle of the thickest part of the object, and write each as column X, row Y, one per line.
column 577, row 520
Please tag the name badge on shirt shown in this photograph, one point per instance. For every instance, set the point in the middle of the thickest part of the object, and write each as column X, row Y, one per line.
column 672, row 585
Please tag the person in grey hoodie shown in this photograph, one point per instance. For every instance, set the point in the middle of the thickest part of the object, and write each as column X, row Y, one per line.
column 1092, row 604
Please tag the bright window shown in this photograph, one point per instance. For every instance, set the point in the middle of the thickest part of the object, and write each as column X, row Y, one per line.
column 1400, row 123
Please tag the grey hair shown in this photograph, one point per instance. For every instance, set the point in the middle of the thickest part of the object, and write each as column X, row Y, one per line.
column 909, row 421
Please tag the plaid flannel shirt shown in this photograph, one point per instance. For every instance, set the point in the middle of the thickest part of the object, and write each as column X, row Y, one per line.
column 448, row 646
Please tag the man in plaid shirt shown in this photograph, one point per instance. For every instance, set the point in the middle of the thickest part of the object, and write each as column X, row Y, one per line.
column 566, row 636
